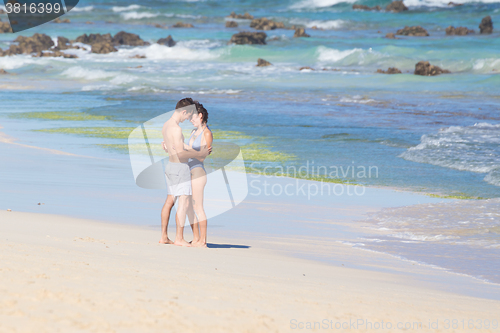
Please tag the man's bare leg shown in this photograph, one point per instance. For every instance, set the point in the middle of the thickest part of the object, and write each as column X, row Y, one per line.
column 193, row 220
column 165, row 216
column 181, row 220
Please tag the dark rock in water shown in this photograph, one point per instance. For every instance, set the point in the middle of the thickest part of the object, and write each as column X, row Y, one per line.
column 460, row 31
column 63, row 43
column 391, row 36
column 169, row 41
column 417, row 31
column 245, row 16
column 263, row 63
column 390, row 70
column 94, row 38
column 3, row 71
column 451, row 3
column 266, row 24
column 486, row 26
column 426, row 69
column 126, row 38
column 58, row 20
column 103, row 47
column 5, row 27
column 306, row 68
column 182, row 25
column 364, row 7
column 300, row 32
column 396, row 6
column 246, row 37
column 231, row 24
column 137, row 56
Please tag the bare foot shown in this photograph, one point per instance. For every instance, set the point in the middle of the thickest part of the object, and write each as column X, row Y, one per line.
column 165, row 241
column 181, row 242
column 198, row 244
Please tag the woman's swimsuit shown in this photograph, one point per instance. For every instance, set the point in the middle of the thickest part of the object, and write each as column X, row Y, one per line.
column 193, row 162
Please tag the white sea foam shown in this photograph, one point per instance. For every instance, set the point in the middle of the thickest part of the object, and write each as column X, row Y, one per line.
column 328, row 24
column 471, row 148
column 328, row 55
column 82, row 9
column 13, row 62
column 118, row 9
column 161, row 52
column 357, row 99
column 137, row 15
column 311, row 4
column 115, row 78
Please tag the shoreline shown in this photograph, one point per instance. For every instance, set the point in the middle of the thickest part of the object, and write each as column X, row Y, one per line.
column 66, row 273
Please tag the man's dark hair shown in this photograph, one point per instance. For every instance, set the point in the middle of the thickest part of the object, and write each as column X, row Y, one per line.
column 201, row 109
column 184, row 102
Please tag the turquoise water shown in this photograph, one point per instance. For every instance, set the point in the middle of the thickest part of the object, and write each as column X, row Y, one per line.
column 430, row 134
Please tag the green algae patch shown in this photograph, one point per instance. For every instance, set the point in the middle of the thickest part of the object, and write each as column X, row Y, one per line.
column 59, row 115
column 142, row 149
column 460, row 196
column 96, row 132
column 229, row 135
column 260, row 152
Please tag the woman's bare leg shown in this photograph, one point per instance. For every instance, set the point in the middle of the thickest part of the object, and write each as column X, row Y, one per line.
column 193, row 220
column 198, row 182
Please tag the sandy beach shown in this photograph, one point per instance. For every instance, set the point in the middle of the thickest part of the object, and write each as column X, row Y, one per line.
column 61, row 274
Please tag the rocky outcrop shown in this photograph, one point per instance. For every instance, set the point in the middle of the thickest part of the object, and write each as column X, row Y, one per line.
column 39, row 44
column 396, row 7
column 306, row 68
column 390, row 70
column 54, row 54
column 183, row 25
column 126, row 38
column 245, row 16
column 391, row 36
column 246, row 37
column 169, row 41
column 263, row 63
column 5, row 27
column 451, row 3
column 486, row 26
column 231, row 24
column 460, row 31
column 266, row 24
column 103, row 47
column 94, row 39
column 416, row 31
column 365, row 7
column 300, row 32
column 3, row 71
column 426, row 69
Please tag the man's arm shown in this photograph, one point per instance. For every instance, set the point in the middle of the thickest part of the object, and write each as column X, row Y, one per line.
column 184, row 154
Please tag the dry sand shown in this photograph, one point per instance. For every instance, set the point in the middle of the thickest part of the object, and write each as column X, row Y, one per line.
column 61, row 274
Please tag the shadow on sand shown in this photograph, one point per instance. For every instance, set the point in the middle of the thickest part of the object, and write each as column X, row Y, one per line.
column 226, row 246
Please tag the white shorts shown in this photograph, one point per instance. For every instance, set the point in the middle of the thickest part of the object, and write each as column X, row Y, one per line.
column 178, row 179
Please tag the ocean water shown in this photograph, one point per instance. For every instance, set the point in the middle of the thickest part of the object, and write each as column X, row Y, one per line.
column 436, row 135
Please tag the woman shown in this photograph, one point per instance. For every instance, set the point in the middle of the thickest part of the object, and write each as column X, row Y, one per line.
column 200, row 136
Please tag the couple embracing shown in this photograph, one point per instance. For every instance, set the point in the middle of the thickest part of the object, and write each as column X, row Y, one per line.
column 185, row 172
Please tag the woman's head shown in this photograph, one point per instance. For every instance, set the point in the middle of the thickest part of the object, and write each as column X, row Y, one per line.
column 201, row 117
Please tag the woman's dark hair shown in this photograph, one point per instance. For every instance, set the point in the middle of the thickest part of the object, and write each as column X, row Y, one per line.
column 201, row 109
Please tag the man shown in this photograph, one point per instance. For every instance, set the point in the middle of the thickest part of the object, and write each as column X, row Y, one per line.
column 177, row 171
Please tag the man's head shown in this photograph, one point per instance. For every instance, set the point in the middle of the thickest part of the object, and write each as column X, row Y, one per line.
column 183, row 109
